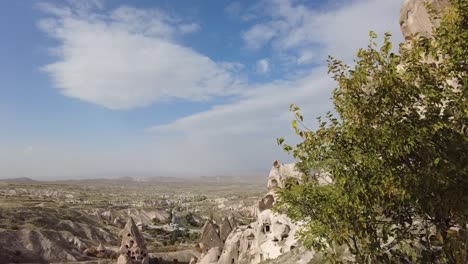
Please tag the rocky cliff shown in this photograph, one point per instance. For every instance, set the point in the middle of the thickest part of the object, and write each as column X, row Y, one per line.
column 415, row 18
column 270, row 236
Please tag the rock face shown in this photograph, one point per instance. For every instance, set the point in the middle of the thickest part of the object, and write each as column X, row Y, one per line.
column 209, row 237
column 133, row 248
column 49, row 236
column 225, row 229
column 279, row 173
column 211, row 257
column 270, row 236
column 414, row 16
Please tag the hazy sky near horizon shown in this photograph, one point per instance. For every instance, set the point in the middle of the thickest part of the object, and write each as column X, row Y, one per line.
column 93, row 88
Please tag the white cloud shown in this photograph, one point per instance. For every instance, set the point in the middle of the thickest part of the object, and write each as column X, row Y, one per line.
column 263, row 66
column 130, row 57
column 310, row 34
column 86, row 4
column 259, row 35
column 243, row 133
column 189, row 28
column 306, row 57
column 239, row 136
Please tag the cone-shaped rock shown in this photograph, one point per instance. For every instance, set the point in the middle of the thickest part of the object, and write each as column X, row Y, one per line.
column 224, row 229
column 101, row 248
column 133, row 248
column 209, row 237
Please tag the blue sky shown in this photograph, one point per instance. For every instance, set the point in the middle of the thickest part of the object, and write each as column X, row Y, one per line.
column 95, row 88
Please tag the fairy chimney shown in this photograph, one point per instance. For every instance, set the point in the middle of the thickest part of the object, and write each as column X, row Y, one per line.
column 209, row 237
column 224, row 229
column 133, row 248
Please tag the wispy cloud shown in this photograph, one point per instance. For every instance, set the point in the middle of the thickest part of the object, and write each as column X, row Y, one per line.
column 308, row 35
column 130, row 57
column 263, row 66
column 243, row 133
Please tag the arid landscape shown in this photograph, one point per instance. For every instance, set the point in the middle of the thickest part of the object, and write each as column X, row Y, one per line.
column 68, row 220
column 158, row 132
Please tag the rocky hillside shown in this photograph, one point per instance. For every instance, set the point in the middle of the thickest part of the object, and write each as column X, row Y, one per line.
column 39, row 234
column 272, row 235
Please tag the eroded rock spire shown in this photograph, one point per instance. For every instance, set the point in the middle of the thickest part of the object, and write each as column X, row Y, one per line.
column 132, row 248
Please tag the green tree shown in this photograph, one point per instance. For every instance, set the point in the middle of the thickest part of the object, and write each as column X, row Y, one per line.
column 397, row 152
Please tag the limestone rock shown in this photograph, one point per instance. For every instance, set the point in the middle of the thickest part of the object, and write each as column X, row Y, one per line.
column 279, row 174
column 414, row 16
column 141, row 226
column 232, row 221
column 101, row 248
column 231, row 249
column 133, row 248
column 193, row 260
column 270, row 236
column 209, row 237
column 119, row 222
column 224, row 229
column 211, row 257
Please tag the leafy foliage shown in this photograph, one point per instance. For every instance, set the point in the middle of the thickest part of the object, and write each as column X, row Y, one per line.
column 397, row 152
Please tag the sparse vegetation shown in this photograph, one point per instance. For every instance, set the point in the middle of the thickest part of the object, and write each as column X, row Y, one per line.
column 86, row 210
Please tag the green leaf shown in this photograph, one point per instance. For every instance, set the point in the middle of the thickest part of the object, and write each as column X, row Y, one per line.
column 280, row 141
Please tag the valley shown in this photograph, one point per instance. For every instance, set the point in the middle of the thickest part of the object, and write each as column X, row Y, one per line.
column 42, row 222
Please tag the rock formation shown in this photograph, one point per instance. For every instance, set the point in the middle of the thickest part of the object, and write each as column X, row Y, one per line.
column 210, row 257
column 232, row 221
column 141, row 226
column 133, row 248
column 119, row 222
column 209, row 237
column 224, row 229
column 193, row 260
column 50, row 237
column 415, row 18
column 101, row 248
column 268, row 237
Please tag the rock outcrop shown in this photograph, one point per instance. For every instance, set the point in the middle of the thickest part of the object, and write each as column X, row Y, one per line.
column 46, row 235
column 101, row 248
column 270, row 236
column 415, row 18
column 133, row 248
column 211, row 257
column 225, row 229
column 209, row 237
